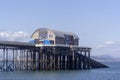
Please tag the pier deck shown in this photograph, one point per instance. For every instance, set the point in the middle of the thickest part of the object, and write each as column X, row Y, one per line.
column 15, row 56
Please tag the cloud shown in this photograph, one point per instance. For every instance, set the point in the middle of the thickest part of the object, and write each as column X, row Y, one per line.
column 111, row 48
column 14, row 36
column 110, row 42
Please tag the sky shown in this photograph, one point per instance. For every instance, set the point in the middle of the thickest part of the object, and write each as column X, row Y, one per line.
column 96, row 22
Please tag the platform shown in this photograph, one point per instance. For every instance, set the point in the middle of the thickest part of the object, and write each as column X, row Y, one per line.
column 15, row 56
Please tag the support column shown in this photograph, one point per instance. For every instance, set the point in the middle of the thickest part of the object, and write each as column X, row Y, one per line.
column 6, row 59
column 13, row 60
column 31, row 60
column 75, row 62
column 27, row 60
column 88, row 67
column 51, row 62
column 16, row 59
column 40, row 58
column 84, row 60
column 47, row 60
column 56, row 62
column 63, row 62
column 34, row 60
column 60, row 62
column 73, row 59
column 79, row 62
column 54, row 52
column 68, row 62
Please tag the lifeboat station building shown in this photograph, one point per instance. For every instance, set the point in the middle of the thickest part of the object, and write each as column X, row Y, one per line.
column 45, row 36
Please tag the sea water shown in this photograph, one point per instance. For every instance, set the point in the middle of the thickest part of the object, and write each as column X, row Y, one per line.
column 111, row 73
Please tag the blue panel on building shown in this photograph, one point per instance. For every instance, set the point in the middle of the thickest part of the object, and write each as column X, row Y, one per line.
column 46, row 41
column 32, row 41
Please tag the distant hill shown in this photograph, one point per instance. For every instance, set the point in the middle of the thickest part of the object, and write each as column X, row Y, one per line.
column 105, row 58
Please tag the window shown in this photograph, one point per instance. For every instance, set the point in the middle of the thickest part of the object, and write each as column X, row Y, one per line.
column 50, row 36
column 51, row 42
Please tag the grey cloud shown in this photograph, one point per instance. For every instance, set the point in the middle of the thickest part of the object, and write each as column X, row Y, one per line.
column 14, row 36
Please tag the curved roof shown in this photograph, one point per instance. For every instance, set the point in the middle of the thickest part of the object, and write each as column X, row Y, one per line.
column 58, row 33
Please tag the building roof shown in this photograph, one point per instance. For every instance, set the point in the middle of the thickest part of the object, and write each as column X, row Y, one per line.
column 58, row 33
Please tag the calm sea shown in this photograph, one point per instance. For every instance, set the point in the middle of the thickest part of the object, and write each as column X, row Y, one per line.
column 112, row 73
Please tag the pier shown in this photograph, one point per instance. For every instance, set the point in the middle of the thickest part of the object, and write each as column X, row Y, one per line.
column 18, row 56
column 49, row 50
